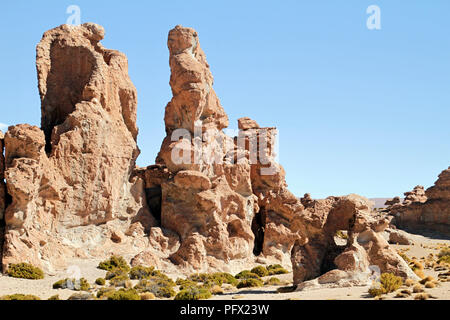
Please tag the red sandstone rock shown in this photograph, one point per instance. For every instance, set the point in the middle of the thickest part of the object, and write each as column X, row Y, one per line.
column 70, row 183
column 247, row 123
column 425, row 211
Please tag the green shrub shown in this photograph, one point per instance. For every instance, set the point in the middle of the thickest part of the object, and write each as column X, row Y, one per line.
column 104, row 292
column 72, row 284
column 260, row 271
column 25, row 271
column 226, row 278
column 113, row 263
column 117, row 273
column 246, row 274
column 141, row 272
column 404, row 257
column 123, row 294
column 276, row 269
column 341, row 234
column 19, row 296
column 100, row 281
column 55, row 297
column 272, row 281
column 193, row 293
column 161, row 288
column 210, row 280
column 249, row 283
column 147, row 296
column 444, row 255
column 388, row 283
column 185, row 283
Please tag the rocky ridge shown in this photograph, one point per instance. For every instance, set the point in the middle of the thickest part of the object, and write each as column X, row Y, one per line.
column 211, row 201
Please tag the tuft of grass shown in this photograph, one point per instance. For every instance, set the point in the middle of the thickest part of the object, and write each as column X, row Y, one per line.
column 426, row 279
column 276, row 269
column 193, row 293
column 247, row 274
column 422, row 296
column 161, row 288
column 55, row 297
column 100, row 281
column 341, row 234
column 72, row 284
column 250, row 283
column 409, row 282
column 147, row 296
column 104, row 292
column 417, row 268
column 113, row 263
column 388, row 283
column 19, row 296
column 260, row 271
column 418, row 288
column 25, row 271
column 216, row 290
column 141, row 272
column 273, row 281
column 210, row 280
column 404, row 257
column 444, row 255
column 124, row 294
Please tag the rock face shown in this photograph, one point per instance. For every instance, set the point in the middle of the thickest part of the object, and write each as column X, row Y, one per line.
column 319, row 262
column 211, row 201
column 226, row 199
column 2, row 178
column 70, row 182
column 425, row 211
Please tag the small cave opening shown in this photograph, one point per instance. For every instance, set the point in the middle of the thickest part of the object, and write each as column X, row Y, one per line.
column 328, row 260
column 154, row 200
column 258, row 228
column 70, row 71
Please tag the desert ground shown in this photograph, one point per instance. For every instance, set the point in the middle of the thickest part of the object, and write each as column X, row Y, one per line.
column 422, row 247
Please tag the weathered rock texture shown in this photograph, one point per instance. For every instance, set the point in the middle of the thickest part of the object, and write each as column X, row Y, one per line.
column 236, row 210
column 70, row 182
column 211, row 202
column 2, row 179
column 425, row 211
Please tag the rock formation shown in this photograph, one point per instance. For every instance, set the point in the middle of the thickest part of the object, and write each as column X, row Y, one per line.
column 318, row 261
column 211, row 201
column 70, row 182
column 425, row 210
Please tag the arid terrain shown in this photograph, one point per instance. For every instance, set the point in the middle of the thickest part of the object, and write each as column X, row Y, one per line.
column 212, row 218
column 421, row 249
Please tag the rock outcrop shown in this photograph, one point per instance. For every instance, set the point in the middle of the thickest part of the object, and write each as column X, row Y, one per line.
column 2, row 179
column 318, row 261
column 211, row 201
column 70, row 182
column 425, row 211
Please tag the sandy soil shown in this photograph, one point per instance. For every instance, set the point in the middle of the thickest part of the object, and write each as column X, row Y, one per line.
column 422, row 247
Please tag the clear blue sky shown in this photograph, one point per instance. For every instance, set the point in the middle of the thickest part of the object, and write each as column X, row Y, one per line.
column 358, row 111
